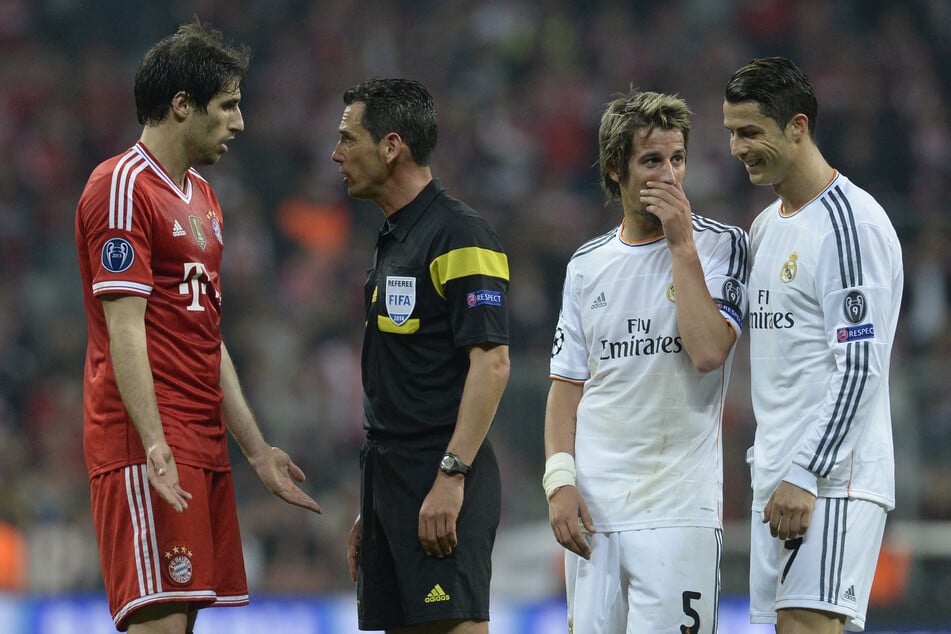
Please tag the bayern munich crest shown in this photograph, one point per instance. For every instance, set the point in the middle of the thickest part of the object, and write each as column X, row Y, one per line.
column 215, row 225
column 179, row 564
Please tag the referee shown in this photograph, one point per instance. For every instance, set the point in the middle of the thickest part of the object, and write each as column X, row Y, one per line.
column 435, row 364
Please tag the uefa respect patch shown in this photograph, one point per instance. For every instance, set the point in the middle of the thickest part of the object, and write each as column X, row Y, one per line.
column 855, row 333
column 117, row 255
column 730, row 310
column 483, row 298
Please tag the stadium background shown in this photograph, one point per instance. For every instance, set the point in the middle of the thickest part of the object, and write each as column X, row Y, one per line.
column 519, row 86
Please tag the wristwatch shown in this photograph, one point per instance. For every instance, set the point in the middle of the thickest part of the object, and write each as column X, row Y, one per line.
column 452, row 464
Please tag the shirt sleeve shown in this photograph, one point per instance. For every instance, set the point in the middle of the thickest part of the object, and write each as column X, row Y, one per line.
column 472, row 274
column 727, row 275
column 857, row 291
column 569, row 353
column 117, row 232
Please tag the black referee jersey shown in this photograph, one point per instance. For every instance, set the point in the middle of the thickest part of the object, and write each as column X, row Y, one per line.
column 438, row 284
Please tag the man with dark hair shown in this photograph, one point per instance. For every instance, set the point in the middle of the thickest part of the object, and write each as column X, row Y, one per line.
column 160, row 388
column 435, row 364
column 825, row 289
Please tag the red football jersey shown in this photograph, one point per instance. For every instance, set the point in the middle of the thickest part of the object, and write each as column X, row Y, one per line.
column 138, row 233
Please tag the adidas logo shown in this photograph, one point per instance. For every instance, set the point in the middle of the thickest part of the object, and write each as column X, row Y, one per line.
column 436, row 595
column 177, row 230
column 849, row 594
column 600, row 302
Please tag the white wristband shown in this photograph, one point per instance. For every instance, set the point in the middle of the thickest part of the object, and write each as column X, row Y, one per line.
column 559, row 472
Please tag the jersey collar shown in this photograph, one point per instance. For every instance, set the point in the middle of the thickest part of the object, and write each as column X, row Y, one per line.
column 401, row 221
column 159, row 169
column 785, row 213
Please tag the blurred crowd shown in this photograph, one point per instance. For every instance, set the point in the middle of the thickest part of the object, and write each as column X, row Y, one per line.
column 519, row 85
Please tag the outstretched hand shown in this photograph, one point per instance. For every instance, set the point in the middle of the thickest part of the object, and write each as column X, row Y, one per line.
column 163, row 476
column 279, row 474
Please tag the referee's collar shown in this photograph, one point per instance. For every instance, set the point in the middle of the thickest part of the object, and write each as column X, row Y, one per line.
column 399, row 223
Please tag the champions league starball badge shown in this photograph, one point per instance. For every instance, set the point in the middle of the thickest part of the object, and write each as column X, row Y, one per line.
column 558, row 342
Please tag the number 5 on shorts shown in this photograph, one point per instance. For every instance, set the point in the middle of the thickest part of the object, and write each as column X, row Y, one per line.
column 694, row 627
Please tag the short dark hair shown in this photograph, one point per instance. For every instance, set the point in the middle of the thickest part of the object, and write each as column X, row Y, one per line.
column 779, row 88
column 196, row 60
column 622, row 118
column 403, row 106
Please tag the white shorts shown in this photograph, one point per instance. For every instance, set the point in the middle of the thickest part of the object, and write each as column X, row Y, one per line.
column 831, row 569
column 646, row 581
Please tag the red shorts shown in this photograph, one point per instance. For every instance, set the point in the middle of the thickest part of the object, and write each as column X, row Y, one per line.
column 152, row 554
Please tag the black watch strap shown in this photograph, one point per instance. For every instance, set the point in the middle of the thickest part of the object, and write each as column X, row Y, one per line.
column 452, row 464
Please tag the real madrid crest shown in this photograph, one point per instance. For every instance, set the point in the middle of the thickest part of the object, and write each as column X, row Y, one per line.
column 788, row 273
column 670, row 293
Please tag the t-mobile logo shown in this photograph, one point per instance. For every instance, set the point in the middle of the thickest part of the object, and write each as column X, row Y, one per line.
column 195, row 284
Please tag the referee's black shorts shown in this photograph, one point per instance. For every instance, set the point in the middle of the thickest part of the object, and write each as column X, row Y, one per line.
column 398, row 585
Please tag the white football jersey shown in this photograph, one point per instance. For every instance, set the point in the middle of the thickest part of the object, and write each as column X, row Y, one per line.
column 825, row 290
column 647, row 448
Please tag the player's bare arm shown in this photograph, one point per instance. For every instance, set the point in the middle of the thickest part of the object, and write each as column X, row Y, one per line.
column 125, row 320
column 273, row 465
column 707, row 336
column 485, row 382
column 567, row 511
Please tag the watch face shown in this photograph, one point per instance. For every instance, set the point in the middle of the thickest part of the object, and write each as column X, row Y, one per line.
column 451, row 464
